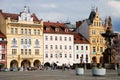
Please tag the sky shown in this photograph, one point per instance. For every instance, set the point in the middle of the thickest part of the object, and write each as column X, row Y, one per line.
column 66, row 10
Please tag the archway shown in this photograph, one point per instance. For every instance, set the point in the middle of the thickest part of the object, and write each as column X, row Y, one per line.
column 36, row 63
column 25, row 63
column 47, row 64
column 13, row 64
column 94, row 60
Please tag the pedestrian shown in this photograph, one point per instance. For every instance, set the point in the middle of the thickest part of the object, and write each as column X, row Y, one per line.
column 63, row 67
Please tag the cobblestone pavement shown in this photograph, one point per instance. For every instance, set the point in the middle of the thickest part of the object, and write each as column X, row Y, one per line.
column 56, row 75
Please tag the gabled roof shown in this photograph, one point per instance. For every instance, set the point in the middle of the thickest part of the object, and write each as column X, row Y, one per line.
column 79, row 39
column 56, row 27
column 15, row 16
column 2, row 35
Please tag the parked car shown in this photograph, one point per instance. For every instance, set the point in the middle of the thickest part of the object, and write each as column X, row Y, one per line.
column 13, row 69
column 4, row 69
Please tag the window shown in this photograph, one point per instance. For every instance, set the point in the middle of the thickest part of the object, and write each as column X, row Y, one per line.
column 3, row 56
column 14, row 51
column 60, row 38
column 29, row 41
column 94, row 50
column 16, row 31
column 69, row 38
column 51, row 38
column 65, row 47
column 101, row 40
column 94, row 23
column 25, row 41
column 60, row 55
column 12, row 30
column 22, row 31
column 60, row 46
column 93, row 32
column 36, row 51
column 46, row 55
column 29, row 51
column 34, row 31
column 70, row 55
column 25, row 51
column 38, row 32
column 25, row 31
column 14, row 41
column 86, row 47
column 55, row 38
column 99, row 23
column 65, row 38
column 3, row 47
column 101, row 49
column 56, row 56
column 36, row 42
column 77, row 47
column 51, row 55
column 56, row 29
column 22, row 41
column 46, row 38
column 29, row 31
column 22, row 51
column 46, row 46
column 56, row 47
column 66, row 30
column 65, row 55
column 81, row 47
column 93, row 40
column 69, row 47
column 86, row 58
column 77, row 56
column 51, row 47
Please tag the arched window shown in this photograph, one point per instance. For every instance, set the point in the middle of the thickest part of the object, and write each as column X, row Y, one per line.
column 14, row 41
column 36, row 42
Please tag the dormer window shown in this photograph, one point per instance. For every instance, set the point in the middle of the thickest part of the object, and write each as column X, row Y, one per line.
column 47, row 29
column 56, row 29
column 66, row 30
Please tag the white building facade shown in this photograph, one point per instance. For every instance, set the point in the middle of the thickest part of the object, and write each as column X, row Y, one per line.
column 58, row 44
column 81, row 49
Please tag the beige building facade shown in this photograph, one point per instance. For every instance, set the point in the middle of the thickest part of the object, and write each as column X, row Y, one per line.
column 24, row 32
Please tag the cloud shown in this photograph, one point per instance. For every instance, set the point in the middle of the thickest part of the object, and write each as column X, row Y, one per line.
column 115, row 5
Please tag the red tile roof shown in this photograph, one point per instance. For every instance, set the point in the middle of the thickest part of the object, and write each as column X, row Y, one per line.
column 2, row 35
column 15, row 16
column 79, row 39
column 50, row 27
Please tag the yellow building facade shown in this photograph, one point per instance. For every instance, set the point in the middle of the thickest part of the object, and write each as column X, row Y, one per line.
column 97, row 42
column 24, row 32
column 91, row 29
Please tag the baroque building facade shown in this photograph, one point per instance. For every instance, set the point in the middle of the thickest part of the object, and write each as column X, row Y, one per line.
column 91, row 29
column 24, row 33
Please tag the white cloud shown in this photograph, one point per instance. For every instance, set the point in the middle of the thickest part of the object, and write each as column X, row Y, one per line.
column 115, row 6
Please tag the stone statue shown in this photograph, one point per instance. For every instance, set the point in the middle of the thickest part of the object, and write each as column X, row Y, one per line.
column 109, row 55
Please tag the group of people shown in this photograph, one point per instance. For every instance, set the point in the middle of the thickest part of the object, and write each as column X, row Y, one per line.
column 66, row 67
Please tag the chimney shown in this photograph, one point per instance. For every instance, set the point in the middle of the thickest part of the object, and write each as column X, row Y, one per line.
column 0, row 10
column 78, row 23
